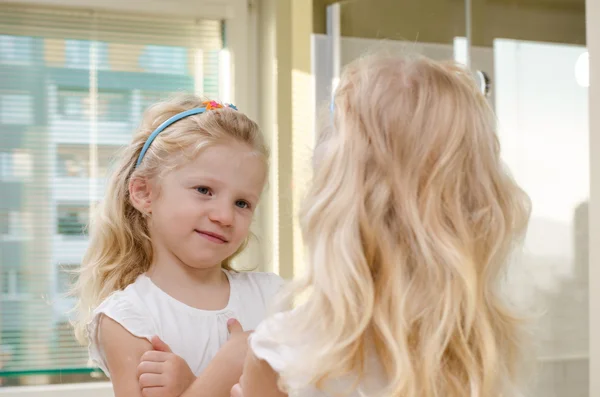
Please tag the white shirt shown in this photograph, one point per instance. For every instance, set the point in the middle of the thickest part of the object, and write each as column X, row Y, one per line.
column 265, row 345
column 196, row 335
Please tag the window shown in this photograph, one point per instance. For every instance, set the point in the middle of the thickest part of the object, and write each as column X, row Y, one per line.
column 72, row 221
column 5, row 286
column 13, row 284
column 211, row 80
column 14, row 224
column 164, row 59
column 75, row 104
column 15, row 165
column 16, row 109
column 16, row 50
column 72, row 161
column 4, row 223
column 6, row 166
column 78, row 54
column 10, row 345
column 150, row 98
column 45, row 151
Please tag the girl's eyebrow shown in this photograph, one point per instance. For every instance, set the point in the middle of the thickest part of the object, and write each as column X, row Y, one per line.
column 199, row 179
column 195, row 179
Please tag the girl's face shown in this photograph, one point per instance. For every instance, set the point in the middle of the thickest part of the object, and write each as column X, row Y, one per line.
column 202, row 211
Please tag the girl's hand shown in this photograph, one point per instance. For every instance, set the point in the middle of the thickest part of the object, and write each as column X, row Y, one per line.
column 162, row 373
column 237, row 337
column 236, row 347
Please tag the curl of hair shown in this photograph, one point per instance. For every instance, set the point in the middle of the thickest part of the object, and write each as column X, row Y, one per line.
column 120, row 248
column 409, row 224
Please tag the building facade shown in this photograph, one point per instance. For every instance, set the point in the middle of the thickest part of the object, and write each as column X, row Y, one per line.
column 63, row 104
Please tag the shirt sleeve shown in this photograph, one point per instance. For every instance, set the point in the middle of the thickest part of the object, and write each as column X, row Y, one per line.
column 267, row 345
column 126, row 310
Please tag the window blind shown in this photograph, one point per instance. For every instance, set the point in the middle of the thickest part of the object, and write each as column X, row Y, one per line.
column 73, row 85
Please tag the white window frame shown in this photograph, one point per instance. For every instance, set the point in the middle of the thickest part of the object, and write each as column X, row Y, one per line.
column 593, row 45
column 241, row 33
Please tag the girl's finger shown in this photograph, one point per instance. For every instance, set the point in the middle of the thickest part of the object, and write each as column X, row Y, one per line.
column 234, row 326
column 153, row 355
column 236, row 391
column 153, row 392
column 149, row 367
column 151, row 380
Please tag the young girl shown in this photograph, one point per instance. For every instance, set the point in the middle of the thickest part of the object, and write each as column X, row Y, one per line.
column 409, row 223
column 177, row 211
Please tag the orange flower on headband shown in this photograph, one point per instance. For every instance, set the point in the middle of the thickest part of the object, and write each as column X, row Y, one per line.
column 210, row 105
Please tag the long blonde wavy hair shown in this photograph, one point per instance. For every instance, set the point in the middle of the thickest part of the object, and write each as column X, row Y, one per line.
column 120, row 248
column 408, row 224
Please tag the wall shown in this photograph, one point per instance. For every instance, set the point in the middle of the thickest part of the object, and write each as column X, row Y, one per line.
column 438, row 21
column 286, row 87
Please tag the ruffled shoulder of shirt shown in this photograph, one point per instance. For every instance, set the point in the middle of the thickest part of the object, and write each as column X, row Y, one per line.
column 127, row 308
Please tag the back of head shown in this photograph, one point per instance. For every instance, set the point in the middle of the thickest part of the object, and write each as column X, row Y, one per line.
column 120, row 248
column 409, row 223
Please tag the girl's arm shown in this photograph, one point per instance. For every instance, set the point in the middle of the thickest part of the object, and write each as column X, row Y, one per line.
column 223, row 371
column 123, row 352
column 259, row 379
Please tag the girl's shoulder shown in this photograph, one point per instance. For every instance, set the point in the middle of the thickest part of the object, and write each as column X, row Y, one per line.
column 131, row 297
column 265, row 282
column 127, row 308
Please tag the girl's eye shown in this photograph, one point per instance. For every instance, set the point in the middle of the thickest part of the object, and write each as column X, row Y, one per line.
column 242, row 204
column 203, row 190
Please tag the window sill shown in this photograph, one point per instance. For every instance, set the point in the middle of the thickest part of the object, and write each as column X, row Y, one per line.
column 98, row 389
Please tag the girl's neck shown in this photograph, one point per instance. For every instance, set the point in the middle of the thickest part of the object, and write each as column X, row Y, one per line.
column 182, row 275
column 190, row 285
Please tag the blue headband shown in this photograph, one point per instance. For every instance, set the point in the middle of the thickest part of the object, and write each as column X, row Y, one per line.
column 172, row 120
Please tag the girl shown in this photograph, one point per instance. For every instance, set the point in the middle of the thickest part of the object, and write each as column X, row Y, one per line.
column 177, row 211
column 409, row 223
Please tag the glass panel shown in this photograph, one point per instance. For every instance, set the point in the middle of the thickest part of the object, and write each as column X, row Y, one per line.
column 164, row 59
column 15, row 50
column 78, row 54
column 534, row 54
column 65, row 100
column 16, row 109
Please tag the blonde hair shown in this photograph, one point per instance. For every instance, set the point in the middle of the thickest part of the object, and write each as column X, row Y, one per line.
column 120, row 248
column 409, row 223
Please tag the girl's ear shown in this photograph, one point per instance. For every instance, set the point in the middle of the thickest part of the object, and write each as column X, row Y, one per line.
column 140, row 195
